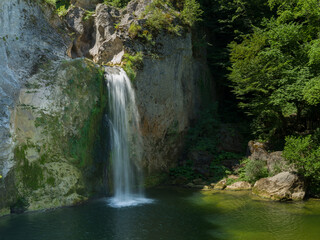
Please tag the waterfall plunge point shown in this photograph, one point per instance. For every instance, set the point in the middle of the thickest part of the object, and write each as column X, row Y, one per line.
column 125, row 139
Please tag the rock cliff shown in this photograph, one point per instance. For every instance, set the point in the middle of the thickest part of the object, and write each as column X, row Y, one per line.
column 53, row 140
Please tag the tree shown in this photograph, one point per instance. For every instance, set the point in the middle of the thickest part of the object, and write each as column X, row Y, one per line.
column 272, row 70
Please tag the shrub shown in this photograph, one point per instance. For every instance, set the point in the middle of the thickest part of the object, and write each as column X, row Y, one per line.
column 117, row 3
column 134, row 30
column 132, row 63
column 191, row 12
column 185, row 171
column 304, row 153
column 252, row 170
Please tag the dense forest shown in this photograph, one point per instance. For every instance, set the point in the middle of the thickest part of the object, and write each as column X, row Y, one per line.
column 267, row 54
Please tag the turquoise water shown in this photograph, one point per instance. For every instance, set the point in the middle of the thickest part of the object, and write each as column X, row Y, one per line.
column 175, row 214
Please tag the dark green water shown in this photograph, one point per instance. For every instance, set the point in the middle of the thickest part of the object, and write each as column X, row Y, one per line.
column 175, row 214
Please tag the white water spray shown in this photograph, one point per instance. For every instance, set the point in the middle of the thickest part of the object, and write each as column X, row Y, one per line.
column 125, row 140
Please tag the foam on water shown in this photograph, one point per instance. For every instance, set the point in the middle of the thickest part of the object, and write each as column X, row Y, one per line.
column 132, row 202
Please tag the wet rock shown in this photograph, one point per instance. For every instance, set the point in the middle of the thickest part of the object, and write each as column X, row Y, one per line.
column 282, row 187
column 241, row 185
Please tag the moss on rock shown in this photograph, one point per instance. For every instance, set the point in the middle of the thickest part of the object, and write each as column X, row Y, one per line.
column 58, row 124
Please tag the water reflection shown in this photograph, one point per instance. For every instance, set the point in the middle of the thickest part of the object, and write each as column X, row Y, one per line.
column 243, row 216
column 177, row 214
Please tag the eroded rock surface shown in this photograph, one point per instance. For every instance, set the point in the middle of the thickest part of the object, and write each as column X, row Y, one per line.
column 27, row 40
column 57, row 123
column 282, row 187
column 238, row 186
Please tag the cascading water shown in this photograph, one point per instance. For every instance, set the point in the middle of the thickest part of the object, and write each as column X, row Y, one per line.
column 125, row 140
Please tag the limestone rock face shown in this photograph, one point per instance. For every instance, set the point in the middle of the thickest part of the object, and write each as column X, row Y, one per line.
column 27, row 40
column 241, row 185
column 57, row 121
column 83, row 32
column 48, row 110
column 166, row 91
column 283, row 186
column 108, row 44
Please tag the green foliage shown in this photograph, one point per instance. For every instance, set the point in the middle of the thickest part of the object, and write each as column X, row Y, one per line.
column 60, row 5
column 204, row 135
column 134, row 30
column 218, row 171
column 88, row 15
column 304, row 153
column 160, row 16
column 155, row 180
column 62, row 11
column 171, row 15
column 272, row 71
column 191, row 12
column 132, row 63
column 185, row 171
column 252, row 170
column 117, row 3
column 231, row 181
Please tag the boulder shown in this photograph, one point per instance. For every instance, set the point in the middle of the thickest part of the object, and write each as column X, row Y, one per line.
column 274, row 160
column 221, row 184
column 241, row 185
column 282, row 187
column 257, row 151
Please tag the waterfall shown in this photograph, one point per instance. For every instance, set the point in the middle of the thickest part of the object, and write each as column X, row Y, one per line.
column 125, row 139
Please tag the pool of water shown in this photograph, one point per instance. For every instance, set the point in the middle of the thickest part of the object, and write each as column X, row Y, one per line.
column 174, row 214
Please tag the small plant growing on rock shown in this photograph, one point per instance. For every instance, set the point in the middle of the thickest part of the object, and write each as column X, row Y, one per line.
column 132, row 63
column 88, row 15
column 134, row 30
column 117, row 3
